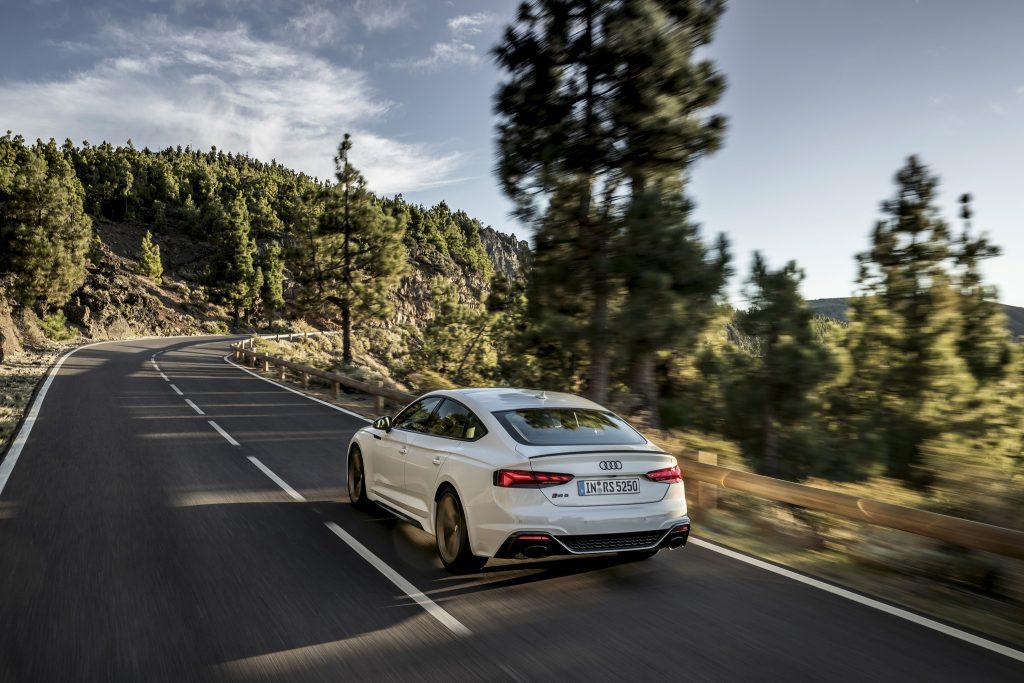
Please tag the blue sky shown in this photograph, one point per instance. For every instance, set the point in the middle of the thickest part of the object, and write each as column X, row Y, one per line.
column 826, row 99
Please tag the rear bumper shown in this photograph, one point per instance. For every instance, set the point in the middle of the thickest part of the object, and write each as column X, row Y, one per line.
column 542, row 544
column 502, row 513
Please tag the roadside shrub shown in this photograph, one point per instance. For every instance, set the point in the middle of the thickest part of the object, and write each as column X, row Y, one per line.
column 55, row 327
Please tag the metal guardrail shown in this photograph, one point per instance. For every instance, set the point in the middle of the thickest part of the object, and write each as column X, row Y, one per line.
column 305, row 373
column 954, row 530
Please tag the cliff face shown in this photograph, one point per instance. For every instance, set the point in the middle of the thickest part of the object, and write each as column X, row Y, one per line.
column 511, row 256
column 414, row 305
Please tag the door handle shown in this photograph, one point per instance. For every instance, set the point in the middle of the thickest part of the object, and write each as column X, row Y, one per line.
column 403, row 450
column 437, row 460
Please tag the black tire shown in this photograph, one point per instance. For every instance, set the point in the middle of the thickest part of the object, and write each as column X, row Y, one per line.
column 638, row 555
column 452, row 536
column 357, row 480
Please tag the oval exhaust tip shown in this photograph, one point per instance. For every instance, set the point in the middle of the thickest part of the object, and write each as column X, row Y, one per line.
column 536, row 551
column 676, row 542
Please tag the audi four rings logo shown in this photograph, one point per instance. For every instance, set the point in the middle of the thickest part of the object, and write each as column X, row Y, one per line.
column 611, row 464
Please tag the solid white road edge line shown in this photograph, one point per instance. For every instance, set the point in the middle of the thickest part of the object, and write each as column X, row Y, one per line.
column 868, row 602
column 166, row 378
column 276, row 479
column 431, row 607
column 7, row 466
column 222, row 432
column 195, row 407
column 177, row 390
column 227, row 359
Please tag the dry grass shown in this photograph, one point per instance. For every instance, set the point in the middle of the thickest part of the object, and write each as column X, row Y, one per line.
column 18, row 378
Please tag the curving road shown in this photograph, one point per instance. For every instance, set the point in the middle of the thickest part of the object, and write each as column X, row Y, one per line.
column 138, row 542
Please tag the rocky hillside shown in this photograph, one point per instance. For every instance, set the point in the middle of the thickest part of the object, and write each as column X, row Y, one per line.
column 836, row 308
column 511, row 256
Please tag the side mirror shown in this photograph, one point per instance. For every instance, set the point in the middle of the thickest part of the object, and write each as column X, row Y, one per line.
column 383, row 423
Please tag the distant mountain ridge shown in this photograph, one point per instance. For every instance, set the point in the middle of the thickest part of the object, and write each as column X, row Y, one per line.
column 836, row 308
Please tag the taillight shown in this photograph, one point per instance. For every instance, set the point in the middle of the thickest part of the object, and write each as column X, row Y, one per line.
column 530, row 480
column 669, row 475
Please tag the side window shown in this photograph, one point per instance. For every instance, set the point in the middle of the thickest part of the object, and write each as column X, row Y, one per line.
column 415, row 417
column 454, row 421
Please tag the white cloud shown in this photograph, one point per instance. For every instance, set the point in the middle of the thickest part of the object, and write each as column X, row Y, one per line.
column 459, row 50
column 163, row 85
column 315, row 25
column 452, row 53
column 379, row 15
column 470, row 24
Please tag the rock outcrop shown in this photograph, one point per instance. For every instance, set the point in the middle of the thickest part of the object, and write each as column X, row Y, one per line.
column 510, row 255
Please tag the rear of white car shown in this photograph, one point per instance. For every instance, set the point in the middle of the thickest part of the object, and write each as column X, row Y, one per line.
column 594, row 501
column 513, row 473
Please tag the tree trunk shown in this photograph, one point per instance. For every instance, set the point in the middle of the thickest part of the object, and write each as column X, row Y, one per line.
column 346, row 333
column 770, row 455
column 595, row 238
column 645, row 386
column 346, row 309
column 597, row 390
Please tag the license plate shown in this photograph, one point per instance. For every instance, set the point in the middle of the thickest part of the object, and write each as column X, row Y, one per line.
column 607, row 487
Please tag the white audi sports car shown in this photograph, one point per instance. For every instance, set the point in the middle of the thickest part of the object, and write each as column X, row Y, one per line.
column 513, row 473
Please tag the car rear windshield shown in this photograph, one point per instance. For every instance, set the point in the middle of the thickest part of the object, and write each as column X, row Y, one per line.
column 567, row 427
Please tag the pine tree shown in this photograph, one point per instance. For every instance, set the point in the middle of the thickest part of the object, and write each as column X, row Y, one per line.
column 602, row 97
column 985, row 343
column 44, row 232
column 660, row 117
column 273, row 282
column 354, row 253
column 908, row 380
column 773, row 399
column 232, row 274
column 672, row 284
column 555, row 137
column 149, row 258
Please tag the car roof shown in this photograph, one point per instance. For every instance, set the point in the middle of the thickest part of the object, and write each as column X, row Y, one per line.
column 493, row 399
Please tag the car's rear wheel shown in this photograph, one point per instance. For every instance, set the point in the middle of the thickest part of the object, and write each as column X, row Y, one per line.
column 357, row 479
column 452, row 536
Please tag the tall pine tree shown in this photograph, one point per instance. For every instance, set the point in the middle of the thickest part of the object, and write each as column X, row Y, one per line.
column 232, row 274
column 603, row 96
column 773, row 398
column 555, row 136
column 908, row 379
column 360, row 254
column 44, row 232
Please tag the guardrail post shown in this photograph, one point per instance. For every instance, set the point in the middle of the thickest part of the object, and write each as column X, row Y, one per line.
column 305, row 380
column 280, row 372
column 378, row 400
column 266, row 366
column 334, row 390
column 707, row 494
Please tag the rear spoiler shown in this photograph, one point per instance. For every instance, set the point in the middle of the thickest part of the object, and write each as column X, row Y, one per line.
column 589, row 452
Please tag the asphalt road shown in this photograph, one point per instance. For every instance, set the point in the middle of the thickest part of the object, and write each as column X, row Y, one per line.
column 137, row 543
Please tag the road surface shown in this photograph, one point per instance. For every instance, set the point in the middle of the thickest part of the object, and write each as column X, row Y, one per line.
column 138, row 542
